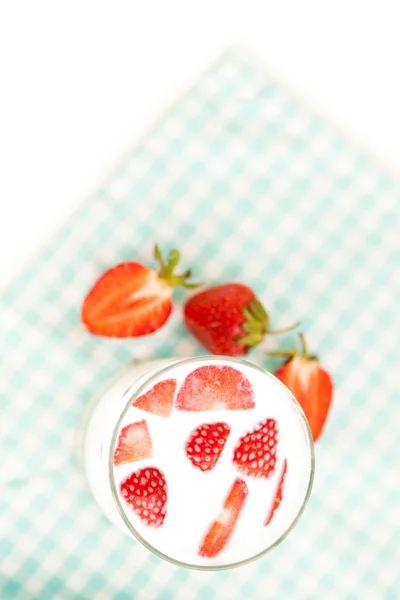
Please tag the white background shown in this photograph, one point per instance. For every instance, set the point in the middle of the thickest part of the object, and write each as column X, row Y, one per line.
column 81, row 81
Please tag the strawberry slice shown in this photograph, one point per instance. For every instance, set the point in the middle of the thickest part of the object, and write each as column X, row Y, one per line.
column 215, row 387
column 145, row 492
column 134, row 443
column 278, row 494
column 159, row 399
column 131, row 300
column 255, row 452
column 205, row 444
column 221, row 530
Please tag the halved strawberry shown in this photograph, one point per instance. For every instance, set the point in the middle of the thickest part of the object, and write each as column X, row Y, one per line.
column 205, row 444
column 130, row 300
column 159, row 399
column 255, row 452
column 278, row 494
column 221, row 530
column 215, row 387
column 145, row 492
column 309, row 383
column 134, row 443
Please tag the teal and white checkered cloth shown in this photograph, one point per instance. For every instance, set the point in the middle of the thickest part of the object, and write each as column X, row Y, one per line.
column 249, row 186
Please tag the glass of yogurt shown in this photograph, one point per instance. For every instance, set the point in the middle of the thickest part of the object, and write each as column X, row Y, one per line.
column 208, row 461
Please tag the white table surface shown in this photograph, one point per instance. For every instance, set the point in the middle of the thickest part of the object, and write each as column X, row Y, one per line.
column 81, row 81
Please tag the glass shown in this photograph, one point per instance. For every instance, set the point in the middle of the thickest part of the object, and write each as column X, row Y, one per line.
column 204, row 492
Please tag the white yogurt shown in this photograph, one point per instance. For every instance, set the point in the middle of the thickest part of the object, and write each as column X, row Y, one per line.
column 195, row 498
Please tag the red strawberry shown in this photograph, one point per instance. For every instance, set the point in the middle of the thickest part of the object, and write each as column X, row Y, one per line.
column 310, row 384
column 227, row 319
column 134, row 443
column 221, row 530
column 214, row 387
column 131, row 300
column 205, row 445
column 278, row 494
column 255, row 452
column 146, row 493
column 159, row 399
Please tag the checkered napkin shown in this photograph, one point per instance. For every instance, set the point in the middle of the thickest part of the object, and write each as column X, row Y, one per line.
column 251, row 187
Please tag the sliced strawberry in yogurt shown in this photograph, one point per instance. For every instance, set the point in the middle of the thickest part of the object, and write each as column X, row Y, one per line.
column 278, row 495
column 134, row 443
column 159, row 399
column 205, row 444
column 145, row 492
column 221, row 530
column 215, row 387
column 255, row 452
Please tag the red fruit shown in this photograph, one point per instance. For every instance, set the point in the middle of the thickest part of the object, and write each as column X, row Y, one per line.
column 130, row 300
column 134, row 443
column 278, row 494
column 146, row 493
column 159, row 399
column 205, row 445
column 255, row 452
column 221, row 530
column 227, row 319
column 214, row 387
column 312, row 387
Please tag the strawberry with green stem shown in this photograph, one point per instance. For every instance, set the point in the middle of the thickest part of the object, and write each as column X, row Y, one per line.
column 228, row 319
column 309, row 383
column 131, row 300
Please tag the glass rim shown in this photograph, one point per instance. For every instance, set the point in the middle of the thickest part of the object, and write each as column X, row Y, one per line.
column 163, row 370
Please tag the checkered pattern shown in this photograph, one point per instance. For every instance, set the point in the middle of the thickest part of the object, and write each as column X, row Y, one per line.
column 251, row 187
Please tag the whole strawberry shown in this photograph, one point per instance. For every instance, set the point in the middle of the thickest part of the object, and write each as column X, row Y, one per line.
column 309, row 383
column 227, row 319
column 131, row 300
